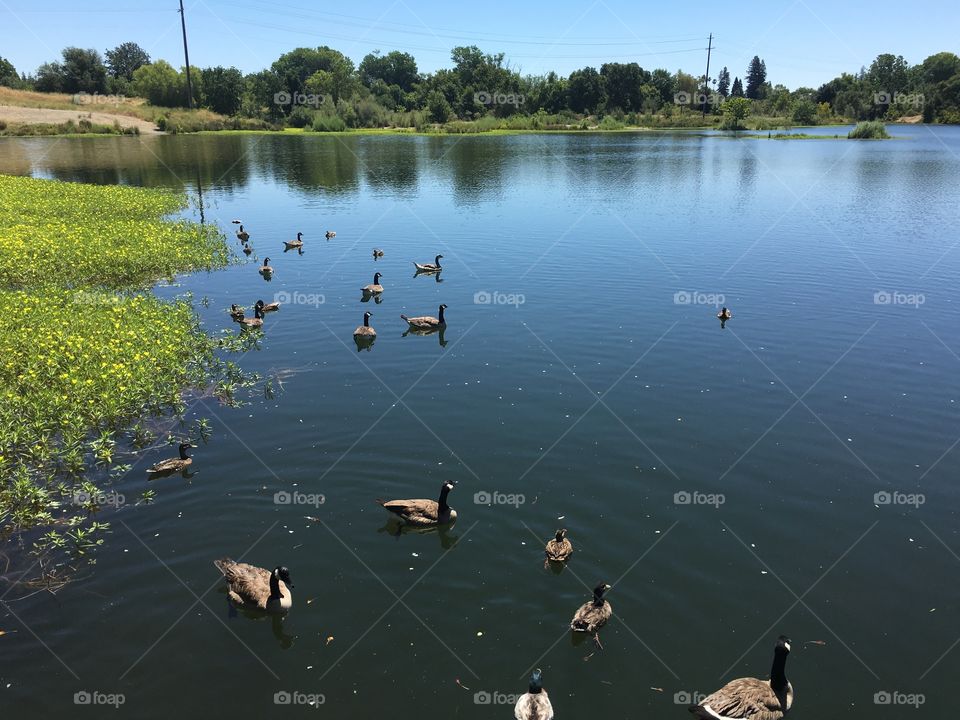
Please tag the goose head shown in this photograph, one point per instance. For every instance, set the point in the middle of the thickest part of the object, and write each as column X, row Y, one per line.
column 183, row 447
column 536, row 681
column 366, row 319
column 299, row 235
column 376, row 278
column 266, row 262
column 599, row 591
column 783, row 646
column 436, row 260
column 561, row 534
column 281, row 573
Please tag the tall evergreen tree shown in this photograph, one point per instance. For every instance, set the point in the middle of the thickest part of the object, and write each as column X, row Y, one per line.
column 756, row 77
column 737, row 90
column 723, row 82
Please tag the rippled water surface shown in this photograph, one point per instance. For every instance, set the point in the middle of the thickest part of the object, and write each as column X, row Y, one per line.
column 583, row 377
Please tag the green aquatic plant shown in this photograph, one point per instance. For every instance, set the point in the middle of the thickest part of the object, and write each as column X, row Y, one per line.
column 872, row 130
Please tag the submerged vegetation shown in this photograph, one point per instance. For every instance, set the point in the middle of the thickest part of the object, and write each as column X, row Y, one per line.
column 91, row 352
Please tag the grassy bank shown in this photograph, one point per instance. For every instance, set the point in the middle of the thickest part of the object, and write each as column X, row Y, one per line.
column 89, row 352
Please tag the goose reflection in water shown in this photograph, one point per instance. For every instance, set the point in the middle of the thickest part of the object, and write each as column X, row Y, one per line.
column 439, row 332
column 284, row 640
column 434, row 273
column 398, row 529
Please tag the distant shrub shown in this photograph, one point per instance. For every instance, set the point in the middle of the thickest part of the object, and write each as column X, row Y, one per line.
column 872, row 130
column 300, row 117
column 328, row 123
column 609, row 122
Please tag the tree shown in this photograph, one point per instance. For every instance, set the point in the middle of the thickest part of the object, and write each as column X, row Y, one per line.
column 888, row 74
column 222, row 89
column 723, row 83
column 438, row 107
column 735, row 110
column 8, row 74
column 622, row 82
column 297, row 66
column 805, row 112
column 662, row 80
column 49, row 78
column 160, row 84
column 83, row 71
column 124, row 60
column 394, row 68
column 756, row 77
column 939, row 68
column 737, row 90
column 585, row 91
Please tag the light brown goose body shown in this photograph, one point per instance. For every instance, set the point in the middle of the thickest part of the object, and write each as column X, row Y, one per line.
column 256, row 588
column 423, row 513
column 752, row 698
column 172, row 465
column 593, row 615
column 429, row 267
column 374, row 288
column 559, row 549
column 365, row 332
column 426, row 322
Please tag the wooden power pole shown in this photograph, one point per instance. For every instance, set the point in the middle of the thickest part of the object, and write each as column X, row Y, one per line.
column 186, row 56
column 706, row 77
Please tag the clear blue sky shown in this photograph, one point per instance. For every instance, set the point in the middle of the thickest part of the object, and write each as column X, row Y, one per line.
column 803, row 42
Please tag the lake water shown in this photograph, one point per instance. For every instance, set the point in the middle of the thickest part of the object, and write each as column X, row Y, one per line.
column 794, row 472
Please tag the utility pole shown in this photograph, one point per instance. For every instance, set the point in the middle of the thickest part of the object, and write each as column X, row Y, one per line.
column 706, row 77
column 186, row 57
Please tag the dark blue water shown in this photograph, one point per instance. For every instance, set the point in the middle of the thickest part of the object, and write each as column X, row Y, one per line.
column 584, row 378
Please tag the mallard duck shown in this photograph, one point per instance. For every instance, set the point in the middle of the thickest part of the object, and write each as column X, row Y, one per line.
column 559, row 549
column 423, row 512
column 255, row 588
column 243, row 234
column 172, row 465
column 376, row 287
column 265, row 269
column 254, row 322
column 426, row 322
column 593, row 614
column 294, row 243
column 268, row 307
column 236, row 311
column 427, row 267
column 330, row 234
column 535, row 703
column 365, row 331
column 377, row 253
column 724, row 314
column 750, row 698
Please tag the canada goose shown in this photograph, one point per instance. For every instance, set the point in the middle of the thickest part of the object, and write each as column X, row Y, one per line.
column 423, row 512
column 559, row 549
column 329, row 234
column 243, row 234
column 427, row 267
column 295, row 243
column 265, row 269
column 268, row 307
column 247, row 249
column 426, row 322
column 256, row 588
column 377, row 253
column 593, row 614
column 237, row 222
column 173, row 465
column 535, row 703
column 254, row 322
column 751, row 698
column 376, row 287
column 236, row 311
column 724, row 314
column 365, row 331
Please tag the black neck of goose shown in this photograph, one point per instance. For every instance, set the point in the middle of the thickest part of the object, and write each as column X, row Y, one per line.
column 444, row 491
column 441, row 315
column 597, row 598
column 183, row 453
column 366, row 321
column 436, row 261
column 778, row 673
column 275, row 586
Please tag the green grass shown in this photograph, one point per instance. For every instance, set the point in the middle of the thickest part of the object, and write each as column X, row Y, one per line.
column 872, row 130
column 89, row 352
column 68, row 128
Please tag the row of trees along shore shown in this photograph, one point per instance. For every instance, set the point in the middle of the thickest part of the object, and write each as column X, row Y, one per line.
column 323, row 89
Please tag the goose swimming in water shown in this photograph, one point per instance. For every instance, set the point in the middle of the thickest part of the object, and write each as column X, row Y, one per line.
column 593, row 615
column 535, row 703
column 423, row 513
column 256, row 588
column 428, row 267
column 426, row 322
